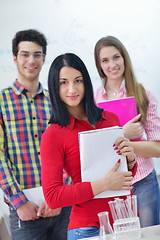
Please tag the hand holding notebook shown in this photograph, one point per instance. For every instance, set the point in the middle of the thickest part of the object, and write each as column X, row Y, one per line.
column 98, row 156
column 124, row 108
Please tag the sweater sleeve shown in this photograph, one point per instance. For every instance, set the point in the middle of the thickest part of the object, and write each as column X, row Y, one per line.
column 53, row 160
column 134, row 169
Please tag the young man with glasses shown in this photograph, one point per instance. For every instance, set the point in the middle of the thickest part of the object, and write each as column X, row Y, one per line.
column 24, row 114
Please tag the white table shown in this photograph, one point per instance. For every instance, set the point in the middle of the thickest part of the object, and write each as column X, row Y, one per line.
column 148, row 233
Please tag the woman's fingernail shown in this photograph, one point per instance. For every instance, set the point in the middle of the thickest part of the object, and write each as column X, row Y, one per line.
column 119, row 160
column 118, row 151
column 115, row 148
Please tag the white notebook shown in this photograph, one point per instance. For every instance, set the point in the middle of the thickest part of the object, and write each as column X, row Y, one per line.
column 97, row 156
column 34, row 195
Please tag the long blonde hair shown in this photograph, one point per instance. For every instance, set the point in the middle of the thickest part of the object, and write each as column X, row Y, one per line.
column 133, row 87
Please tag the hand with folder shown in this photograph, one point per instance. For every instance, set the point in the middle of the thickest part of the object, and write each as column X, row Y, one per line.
column 125, row 109
column 115, row 179
column 118, row 180
column 133, row 129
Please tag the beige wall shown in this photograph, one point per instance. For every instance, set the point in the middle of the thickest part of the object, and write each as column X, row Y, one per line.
column 4, row 234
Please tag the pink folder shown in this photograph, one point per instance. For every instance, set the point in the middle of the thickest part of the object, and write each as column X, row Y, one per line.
column 124, row 108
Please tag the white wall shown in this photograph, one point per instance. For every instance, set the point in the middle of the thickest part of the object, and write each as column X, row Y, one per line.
column 75, row 26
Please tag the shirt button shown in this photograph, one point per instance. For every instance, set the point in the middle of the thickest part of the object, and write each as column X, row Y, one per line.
column 36, row 135
column 34, row 118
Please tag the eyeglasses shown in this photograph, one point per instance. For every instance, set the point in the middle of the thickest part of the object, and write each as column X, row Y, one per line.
column 25, row 55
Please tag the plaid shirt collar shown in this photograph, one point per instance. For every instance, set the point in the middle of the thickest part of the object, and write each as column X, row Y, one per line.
column 19, row 89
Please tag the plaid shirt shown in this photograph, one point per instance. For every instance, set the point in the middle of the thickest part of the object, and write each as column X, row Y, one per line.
column 23, row 119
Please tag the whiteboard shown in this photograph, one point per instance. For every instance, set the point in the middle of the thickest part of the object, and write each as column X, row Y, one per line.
column 75, row 26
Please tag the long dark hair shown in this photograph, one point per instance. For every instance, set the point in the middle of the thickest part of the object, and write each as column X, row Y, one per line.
column 60, row 113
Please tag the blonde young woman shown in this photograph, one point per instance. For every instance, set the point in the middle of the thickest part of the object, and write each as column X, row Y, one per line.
column 118, row 81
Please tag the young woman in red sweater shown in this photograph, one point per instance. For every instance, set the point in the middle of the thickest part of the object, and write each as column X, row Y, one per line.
column 73, row 111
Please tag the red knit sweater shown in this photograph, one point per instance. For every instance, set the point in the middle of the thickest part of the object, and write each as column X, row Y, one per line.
column 60, row 150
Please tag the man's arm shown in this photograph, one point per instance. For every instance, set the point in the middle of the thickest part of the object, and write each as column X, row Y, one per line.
column 8, row 182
